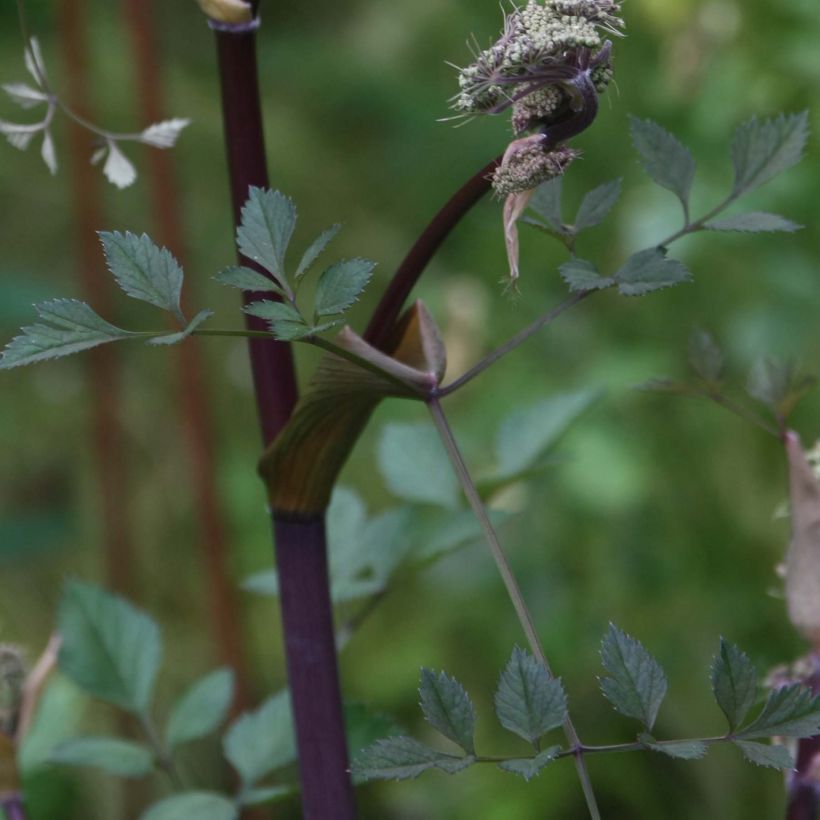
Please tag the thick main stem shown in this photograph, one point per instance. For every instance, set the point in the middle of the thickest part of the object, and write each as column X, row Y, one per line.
column 803, row 802
column 301, row 546
column 511, row 584
column 195, row 419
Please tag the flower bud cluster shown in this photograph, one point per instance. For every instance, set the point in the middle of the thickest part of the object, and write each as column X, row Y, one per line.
column 540, row 45
column 527, row 163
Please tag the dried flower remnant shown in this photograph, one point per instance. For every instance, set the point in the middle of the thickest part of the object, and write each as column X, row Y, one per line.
column 548, row 66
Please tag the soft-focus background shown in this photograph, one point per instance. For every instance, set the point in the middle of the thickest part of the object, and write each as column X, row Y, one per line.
column 658, row 513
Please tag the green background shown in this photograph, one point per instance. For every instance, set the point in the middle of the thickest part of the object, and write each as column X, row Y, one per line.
column 659, row 513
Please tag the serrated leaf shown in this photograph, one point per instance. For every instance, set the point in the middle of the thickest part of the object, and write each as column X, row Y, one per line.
column 164, row 134
column 201, row 709
column 580, row 274
column 763, row 149
column 24, row 95
column 754, row 222
column 415, row 466
column 664, row 157
column 528, row 432
column 773, row 756
column 680, row 749
column 268, row 220
column 109, row 648
column 49, row 153
column 649, row 270
column 597, row 204
column 447, row 707
column 259, row 742
column 189, row 805
column 118, row 169
column 340, row 286
column 284, row 319
column 403, row 758
column 33, row 59
column 734, row 683
column 791, row 711
column 265, row 794
column 112, row 755
column 546, row 202
column 73, row 326
column 530, row 767
column 176, row 338
column 528, row 701
column 314, row 250
column 238, row 276
column 705, row 357
column 144, row 270
column 637, row 685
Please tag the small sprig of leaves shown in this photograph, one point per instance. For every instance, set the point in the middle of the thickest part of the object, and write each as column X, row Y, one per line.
column 268, row 222
column 117, row 168
column 761, row 150
column 530, row 703
column 777, row 385
column 143, row 270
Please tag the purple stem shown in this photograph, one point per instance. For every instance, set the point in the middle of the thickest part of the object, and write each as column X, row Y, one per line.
column 803, row 789
column 301, row 546
column 13, row 807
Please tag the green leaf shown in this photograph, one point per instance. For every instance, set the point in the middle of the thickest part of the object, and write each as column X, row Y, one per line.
column 705, row 357
column 530, row 767
column 261, row 741
column 341, row 285
column 109, row 648
column 754, row 222
column 285, row 320
column 597, row 204
column 244, row 278
column 649, row 270
column 403, row 758
column 680, row 749
column 663, row 157
column 314, row 250
column 764, row 149
column 448, row 708
column 189, row 805
column 72, row 326
column 792, row 711
column 734, row 683
column 175, row 338
column 268, row 220
column 201, row 709
column 546, row 202
column 528, row 432
column 582, row 275
column 528, row 701
column 364, row 727
column 415, row 466
column 778, row 384
column 143, row 270
column 112, row 755
column 762, row 754
column 637, row 685
column 265, row 794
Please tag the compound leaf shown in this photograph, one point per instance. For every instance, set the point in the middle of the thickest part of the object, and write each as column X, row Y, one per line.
column 754, row 222
column 734, row 683
column 528, row 768
column 680, row 749
column 664, row 158
column 341, row 285
column 244, row 278
column 403, row 758
column 597, row 204
column 447, row 707
column 649, row 270
column 580, row 274
column 773, row 756
column 792, row 711
column 315, row 249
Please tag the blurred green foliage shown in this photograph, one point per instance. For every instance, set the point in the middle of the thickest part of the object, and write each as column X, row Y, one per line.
column 660, row 514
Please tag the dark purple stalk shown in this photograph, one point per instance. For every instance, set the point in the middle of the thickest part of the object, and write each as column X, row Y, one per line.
column 301, row 546
column 13, row 807
column 803, row 788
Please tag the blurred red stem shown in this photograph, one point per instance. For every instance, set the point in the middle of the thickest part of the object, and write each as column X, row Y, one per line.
column 223, row 608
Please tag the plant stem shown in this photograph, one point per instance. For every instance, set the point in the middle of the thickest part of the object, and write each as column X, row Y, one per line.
column 408, row 273
column 301, row 546
column 163, row 759
column 14, row 807
column 511, row 584
column 803, row 801
column 743, row 412
column 514, row 342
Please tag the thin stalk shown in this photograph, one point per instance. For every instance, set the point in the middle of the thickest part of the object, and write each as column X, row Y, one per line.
column 301, row 546
column 511, row 584
column 743, row 412
column 163, row 759
column 514, row 342
column 194, row 404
